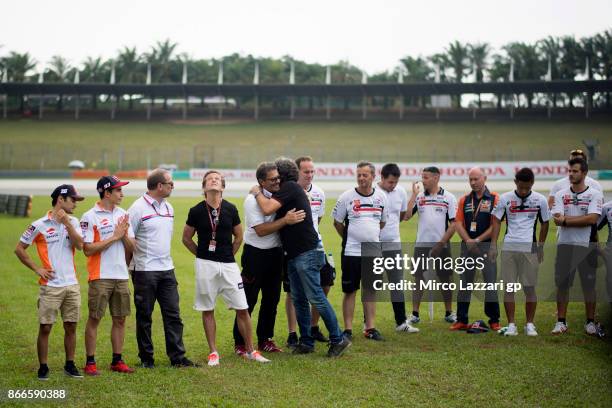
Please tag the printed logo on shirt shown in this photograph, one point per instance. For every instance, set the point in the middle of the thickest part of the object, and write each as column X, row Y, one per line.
column 485, row 206
column 84, row 225
column 29, row 231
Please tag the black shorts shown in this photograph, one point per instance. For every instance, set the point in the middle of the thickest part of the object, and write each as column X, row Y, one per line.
column 328, row 275
column 574, row 257
column 444, row 274
column 354, row 270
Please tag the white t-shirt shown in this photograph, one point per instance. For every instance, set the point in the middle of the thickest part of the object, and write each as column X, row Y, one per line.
column 606, row 218
column 254, row 217
column 397, row 201
column 522, row 215
column 54, row 248
column 436, row 211
column 361, row 216
column 567, row 202
column 153, row 224
column 316, row 196
column 564, row 183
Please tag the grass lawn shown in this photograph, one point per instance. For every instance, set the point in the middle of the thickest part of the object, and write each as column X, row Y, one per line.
column 433, row 368
column 30, row 144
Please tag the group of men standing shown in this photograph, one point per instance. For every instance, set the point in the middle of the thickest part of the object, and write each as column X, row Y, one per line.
column 283, row 248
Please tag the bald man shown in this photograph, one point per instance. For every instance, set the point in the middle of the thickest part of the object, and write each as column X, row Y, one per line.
column 473, row 224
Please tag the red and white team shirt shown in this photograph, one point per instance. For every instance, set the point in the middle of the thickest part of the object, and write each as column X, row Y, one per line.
column 54, row 248
column 98, row 225
column 568, row 202
column 316, row 196
column 436, row 211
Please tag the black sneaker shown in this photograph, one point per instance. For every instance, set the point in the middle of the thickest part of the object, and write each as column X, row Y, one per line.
column 373, row 334
column 43, row 373
column 184, row 362
column 302, row 349
column 317, row 335
column 348, row 333
column 147, row 363
column 292, row 340
column 71, row 371
column 336, row 350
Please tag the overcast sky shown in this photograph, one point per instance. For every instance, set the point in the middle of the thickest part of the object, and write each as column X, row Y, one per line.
column 373, row 35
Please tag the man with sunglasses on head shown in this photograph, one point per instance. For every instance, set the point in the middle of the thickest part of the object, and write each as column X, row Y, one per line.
column 565, row 181
column 108, row 242
column 152, row 219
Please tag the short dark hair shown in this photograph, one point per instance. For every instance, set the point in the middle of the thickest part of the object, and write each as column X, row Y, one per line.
column 367, row 164
column 157, row 176
column 213, row 172
column 525, row 174
column 584, row 167
column 263, row 169
column 432, row 169
column 287, row 169
column 301, row 159
column 390, row 169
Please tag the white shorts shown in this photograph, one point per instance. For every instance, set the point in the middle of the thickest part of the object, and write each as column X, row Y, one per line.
column 218, row 278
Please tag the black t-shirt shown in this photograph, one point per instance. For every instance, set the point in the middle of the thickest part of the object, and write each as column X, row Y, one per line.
column 198, row 218
column 301, row 237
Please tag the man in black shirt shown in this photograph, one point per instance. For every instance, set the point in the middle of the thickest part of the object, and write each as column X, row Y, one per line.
column 216, row 221
column 304, row 259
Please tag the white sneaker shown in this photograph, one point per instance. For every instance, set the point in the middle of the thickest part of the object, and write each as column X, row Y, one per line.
column 509, row 330
column 213, row 359
column 256, row 356
column 406, row 327
column 530, row 329
column 560, row 328
column 414, row 319
column 590, row 328
column 451, row 318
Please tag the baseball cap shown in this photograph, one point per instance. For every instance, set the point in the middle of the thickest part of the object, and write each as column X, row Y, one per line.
column 479, row 326
column 109, row 182
column 66, row 190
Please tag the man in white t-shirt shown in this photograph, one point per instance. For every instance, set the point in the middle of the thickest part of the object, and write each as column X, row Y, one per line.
column 564, row 182
column 576, row 209
column 262, row 260
column 606, row 220
column 521, row 255
column 397, row 206
column 359, row 216
column 437, row 209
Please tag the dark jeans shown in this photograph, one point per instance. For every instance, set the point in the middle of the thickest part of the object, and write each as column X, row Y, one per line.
column 262, row 270
column 489, row 275
column 160, row 286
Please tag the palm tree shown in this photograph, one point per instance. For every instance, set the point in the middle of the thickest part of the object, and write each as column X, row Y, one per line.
column 95, row 70
column 19, row 65
column 59, row 68
column 570, row 61
column 128, row 67
column 162, row 56
column 417, row 70
column 603, row 47
column 550, row 48
column 478, row 55
column 458, row 54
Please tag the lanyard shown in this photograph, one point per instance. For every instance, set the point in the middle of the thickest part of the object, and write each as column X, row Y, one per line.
column 213, row 223
column 475, row 213
column 155, row 209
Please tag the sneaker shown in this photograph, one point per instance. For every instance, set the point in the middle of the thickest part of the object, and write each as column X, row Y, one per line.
column 508, row 331
column 317, row 335
column 43, row 373
column 292, row 340
column 184, row 362
column 336, row 350
column 451, row 318
column 121, row 367
column 495, row 326
column 302, row 349
column 348, row 333
column 530, row 330
column 256, row 356
column 147, row 364
column 406, row 327
column 270, row 347
column 71, row 371
column 213, row 359
column 459, row 326
column 91, row 369
column 601, row 333
column 559, row 328
column 414, row 319
column 590, row 328
column 373, row 334
column 240, row 350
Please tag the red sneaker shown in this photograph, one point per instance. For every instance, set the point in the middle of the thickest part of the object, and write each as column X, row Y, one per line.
column 459, row 326
column 240, row 350
column 495, row 326
column 270, row 347
column 91, row 369
column 121, row 367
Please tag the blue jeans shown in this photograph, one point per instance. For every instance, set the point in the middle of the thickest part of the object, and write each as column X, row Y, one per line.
column 305, row 280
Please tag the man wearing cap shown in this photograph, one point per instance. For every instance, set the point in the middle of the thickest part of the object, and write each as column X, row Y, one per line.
column 108, row 242
column 152, row 220
column 56, row 235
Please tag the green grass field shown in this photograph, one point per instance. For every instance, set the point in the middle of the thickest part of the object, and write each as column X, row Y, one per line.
column 30, row 144
column 433, row 368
